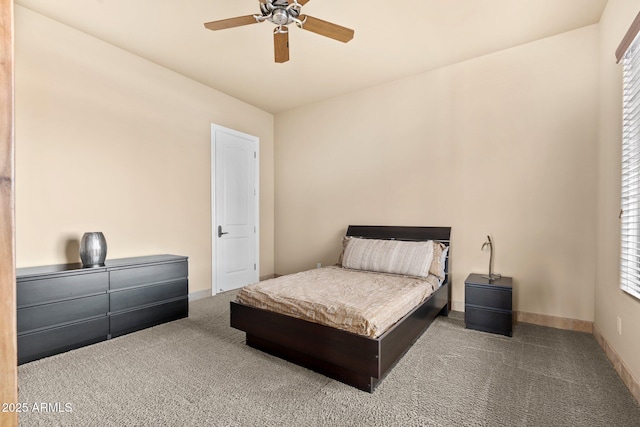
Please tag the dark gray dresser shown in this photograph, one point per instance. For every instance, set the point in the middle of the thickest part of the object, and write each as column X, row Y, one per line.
column 62, row 307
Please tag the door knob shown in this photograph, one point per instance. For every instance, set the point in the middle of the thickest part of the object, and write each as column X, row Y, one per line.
column 220, row 232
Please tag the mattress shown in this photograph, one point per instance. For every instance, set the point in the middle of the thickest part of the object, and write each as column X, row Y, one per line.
column 362, row 302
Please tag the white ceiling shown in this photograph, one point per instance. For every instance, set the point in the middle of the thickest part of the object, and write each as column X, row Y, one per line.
column 392, row 39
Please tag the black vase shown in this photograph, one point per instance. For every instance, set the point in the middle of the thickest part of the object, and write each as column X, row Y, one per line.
column 93, row 249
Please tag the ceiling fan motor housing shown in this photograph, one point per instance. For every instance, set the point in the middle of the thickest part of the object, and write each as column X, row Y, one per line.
column 280, row 16
column 280, row 12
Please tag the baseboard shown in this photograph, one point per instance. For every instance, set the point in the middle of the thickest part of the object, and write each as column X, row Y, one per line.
column 194, row 296
column 554, row 322
column 268, row 276
column 541, row 319
column 618, row 364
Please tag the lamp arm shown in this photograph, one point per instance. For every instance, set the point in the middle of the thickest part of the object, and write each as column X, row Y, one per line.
column 490, row 257
column 489, row 243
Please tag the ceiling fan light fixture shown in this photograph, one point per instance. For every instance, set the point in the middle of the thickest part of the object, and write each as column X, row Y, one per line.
column 280, row 16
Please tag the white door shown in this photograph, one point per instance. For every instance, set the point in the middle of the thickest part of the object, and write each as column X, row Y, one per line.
column 234, row 161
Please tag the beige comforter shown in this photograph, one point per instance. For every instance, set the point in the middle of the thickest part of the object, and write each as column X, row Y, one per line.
column 361, row 302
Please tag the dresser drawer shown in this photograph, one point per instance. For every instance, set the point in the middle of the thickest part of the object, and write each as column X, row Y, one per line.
column 130, row 298
column 49, row 315
column 485, row 296
column 40, row 291
column 56, row 340
column 128, row 277
column 129, row 321
column 488, row 320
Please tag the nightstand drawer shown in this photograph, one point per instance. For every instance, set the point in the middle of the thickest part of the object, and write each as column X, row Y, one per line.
column 486, row 296
column 488, row 320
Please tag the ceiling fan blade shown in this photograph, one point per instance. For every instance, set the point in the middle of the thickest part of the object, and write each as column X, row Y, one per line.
column 300, row 2
column 326, row 29
column 231, row 22
column 281, row 45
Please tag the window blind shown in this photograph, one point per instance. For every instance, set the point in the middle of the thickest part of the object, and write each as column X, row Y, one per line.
column 630, row 203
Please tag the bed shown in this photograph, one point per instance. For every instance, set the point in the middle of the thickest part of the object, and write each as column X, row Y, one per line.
column 356, row 359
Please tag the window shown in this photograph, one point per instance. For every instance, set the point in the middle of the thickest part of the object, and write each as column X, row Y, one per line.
column 630, row 203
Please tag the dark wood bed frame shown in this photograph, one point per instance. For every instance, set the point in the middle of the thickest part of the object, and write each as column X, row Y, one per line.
column 359, row 361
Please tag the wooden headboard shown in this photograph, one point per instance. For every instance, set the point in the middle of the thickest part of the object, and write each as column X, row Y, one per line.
column 391, row 232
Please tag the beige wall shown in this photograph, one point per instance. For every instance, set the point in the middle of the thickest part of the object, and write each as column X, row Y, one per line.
column 107, row 141
column 504, row 144
column 610, row 301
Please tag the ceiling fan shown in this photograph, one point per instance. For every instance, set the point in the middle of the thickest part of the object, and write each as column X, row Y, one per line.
column 282, row 13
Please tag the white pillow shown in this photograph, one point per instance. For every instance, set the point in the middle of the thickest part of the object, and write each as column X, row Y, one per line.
column 389, row 256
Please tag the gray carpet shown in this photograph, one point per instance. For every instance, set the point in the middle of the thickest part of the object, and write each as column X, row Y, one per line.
column 197, row 371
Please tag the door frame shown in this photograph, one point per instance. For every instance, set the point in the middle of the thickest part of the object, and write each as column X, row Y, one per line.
column 8, row 332
column 214, row 239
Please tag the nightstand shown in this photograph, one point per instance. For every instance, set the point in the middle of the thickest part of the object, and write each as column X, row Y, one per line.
column 488, row 304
